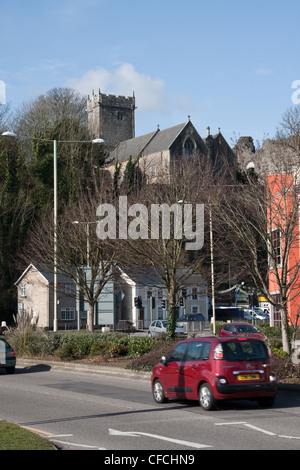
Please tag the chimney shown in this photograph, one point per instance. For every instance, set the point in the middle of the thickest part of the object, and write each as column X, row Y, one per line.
column 208, row 131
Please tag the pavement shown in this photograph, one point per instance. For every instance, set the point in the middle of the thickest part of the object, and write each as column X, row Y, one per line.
column 85, row 368
column 111, row 370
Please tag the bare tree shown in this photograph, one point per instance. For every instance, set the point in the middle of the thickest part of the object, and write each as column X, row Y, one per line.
column 81, row 256
column 166, row 230
column 261, row 221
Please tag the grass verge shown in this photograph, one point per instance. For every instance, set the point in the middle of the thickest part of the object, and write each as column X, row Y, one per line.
column 14, row 437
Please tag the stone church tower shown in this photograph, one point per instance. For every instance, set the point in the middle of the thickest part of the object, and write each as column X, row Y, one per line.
column 111, row 118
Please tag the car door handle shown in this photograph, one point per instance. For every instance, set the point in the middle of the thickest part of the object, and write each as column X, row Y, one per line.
column 194, row 367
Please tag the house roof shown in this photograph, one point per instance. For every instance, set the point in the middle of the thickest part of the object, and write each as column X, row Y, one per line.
column 150, row 278
column 147, row 144
column 45, row 271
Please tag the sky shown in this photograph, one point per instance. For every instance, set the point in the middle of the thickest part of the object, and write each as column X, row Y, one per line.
column 228, row 64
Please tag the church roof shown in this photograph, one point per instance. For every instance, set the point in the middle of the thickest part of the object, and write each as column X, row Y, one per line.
column 147, row 144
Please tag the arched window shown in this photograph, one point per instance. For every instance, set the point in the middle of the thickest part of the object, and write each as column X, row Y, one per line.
column 189, row 147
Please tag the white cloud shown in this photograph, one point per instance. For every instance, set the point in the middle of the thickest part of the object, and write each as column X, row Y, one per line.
column 150, row 93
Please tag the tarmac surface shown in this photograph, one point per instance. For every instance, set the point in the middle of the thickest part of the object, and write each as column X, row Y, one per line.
column 113, row 370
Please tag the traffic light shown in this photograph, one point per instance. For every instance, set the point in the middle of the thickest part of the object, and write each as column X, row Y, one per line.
column 164, row 303
column 138, row 302
column 181, row 302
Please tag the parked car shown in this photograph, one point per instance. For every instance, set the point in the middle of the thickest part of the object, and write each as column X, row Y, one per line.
column 209, row 369
column 255, row 314
column 190, row 317
column 7, row 357
column 160, row 326
column 262, row 312
column 242, row 329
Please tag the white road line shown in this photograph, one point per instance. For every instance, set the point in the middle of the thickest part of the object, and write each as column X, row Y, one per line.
column 260, row 430
column 78, row 445
column 196, row 445
column 256, row 429
column 232, row 422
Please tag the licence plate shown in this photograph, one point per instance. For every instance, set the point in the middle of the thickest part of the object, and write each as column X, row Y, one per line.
column 248, row 377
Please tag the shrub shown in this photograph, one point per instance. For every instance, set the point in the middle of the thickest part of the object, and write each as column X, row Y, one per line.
column 28, row 341
column 64, row 352
column 152, row 357
column 139, row 345
column 109, row 349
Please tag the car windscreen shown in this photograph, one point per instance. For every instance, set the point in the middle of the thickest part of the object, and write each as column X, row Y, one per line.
column 247, row 329
column 244, row 350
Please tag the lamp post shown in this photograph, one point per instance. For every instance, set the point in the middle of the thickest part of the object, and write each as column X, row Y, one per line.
column 212, row 270
column 94, row 141
column 87, row 239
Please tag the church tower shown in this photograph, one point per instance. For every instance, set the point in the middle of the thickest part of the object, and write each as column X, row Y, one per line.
column 111, row 118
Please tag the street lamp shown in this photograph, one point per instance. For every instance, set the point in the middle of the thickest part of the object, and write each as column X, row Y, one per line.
column 94, row 141
column 87, row 238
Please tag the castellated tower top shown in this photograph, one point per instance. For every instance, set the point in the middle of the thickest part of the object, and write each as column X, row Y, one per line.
column 111, row 118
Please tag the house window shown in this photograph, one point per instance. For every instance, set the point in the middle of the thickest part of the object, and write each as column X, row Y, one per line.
column 276, row 245
column 68, row 289
column 120, row 116
column 194, row 309
column 67, row 313
column 20, row 307
column 23, row 290
column 195, row 293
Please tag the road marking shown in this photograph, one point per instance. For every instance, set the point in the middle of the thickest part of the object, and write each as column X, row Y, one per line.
column 38, row 431
column 115, row 432
column 232, row 422
column 261, row 430
column 72, row 444
column 256, row 429
column 244, row 423
column 288, row 437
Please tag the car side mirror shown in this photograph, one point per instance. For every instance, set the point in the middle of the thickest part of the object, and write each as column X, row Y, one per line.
column 163, row 360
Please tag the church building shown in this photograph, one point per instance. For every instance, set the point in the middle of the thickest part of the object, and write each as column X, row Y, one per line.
column 112, row 118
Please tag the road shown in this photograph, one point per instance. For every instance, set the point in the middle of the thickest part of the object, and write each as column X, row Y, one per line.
column 84, row 411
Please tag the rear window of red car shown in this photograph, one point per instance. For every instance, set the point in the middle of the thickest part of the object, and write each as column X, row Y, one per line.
column 244, row 350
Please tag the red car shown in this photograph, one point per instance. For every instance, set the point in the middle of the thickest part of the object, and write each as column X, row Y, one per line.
column 209, row 369
column 244, row 329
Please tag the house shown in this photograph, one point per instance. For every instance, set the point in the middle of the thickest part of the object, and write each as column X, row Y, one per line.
column 144, row 298
column 130, row 297
column 35, row 297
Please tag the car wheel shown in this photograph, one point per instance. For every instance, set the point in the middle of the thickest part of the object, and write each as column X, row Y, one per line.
column 266, row 402
column 158, row 392
column 10, row 370
column 206, row 398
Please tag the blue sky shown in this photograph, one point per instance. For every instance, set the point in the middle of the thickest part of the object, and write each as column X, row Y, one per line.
column 226, row 63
